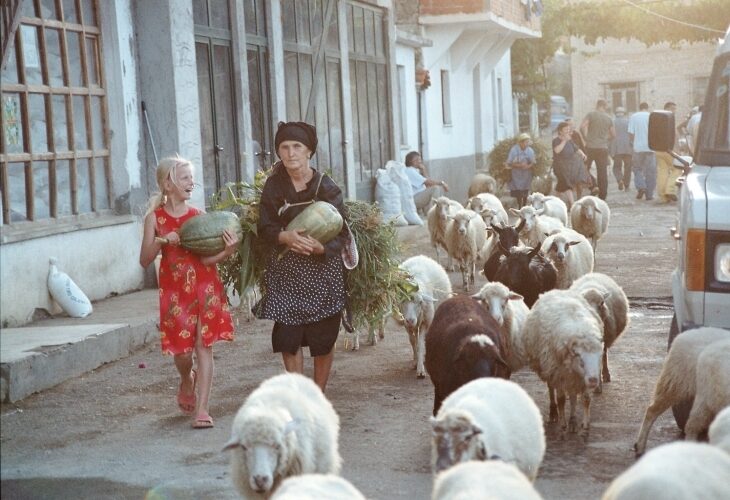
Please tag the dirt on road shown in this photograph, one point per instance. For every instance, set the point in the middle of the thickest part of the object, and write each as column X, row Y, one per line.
column 116, row 432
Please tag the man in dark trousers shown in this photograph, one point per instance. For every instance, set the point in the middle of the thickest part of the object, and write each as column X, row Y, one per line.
column 598, row 130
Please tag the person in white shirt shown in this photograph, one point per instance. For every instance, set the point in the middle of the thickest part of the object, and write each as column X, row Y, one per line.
column 643, row 160
column 424, row 188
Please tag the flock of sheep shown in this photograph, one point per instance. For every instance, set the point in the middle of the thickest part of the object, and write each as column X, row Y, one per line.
column 543, row 308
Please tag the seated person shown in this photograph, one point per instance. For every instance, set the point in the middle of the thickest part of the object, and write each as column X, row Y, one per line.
column 424, row 188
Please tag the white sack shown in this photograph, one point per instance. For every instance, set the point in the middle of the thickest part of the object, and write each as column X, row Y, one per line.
column 67, row 293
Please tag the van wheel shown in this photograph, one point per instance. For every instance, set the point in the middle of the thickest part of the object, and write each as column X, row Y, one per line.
column 681, row 410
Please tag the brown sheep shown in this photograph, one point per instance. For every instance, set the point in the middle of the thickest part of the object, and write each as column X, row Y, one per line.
column 463, row 343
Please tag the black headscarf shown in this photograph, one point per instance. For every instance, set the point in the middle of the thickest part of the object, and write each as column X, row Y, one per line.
column 296, row 131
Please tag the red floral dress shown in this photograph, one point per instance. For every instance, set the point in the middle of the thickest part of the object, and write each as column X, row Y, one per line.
column 189, row 291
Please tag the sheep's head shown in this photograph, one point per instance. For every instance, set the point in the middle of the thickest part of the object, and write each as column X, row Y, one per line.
column 442, row 205
column 597, row 301
column 475, row 203
column 455, row 439
column 488, row 215
column 264, row 438
column 494, row 298
column 508, row 235
column 537, row 200
column 588, row 208
column 558, row 250
column 584, row 359
column 528, row 214
column 415, row 309
column 461, row 220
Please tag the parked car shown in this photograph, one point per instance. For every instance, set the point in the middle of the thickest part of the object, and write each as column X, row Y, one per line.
column 701, row 281
column 559, row 110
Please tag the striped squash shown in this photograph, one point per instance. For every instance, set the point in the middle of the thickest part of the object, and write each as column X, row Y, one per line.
column 203, row 234
column 320, row 220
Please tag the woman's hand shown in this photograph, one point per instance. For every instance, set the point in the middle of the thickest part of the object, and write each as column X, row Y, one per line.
column 298, row 242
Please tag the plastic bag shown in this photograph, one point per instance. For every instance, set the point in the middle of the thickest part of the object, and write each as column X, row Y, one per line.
column 397, row 172
column 387, row 194
column 67, row 293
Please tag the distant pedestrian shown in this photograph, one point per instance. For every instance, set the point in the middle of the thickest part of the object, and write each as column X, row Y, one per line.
column 586, row 180
column 193, row 304
column 620, row 150
column 643, row 161
column 693, row 129
column 520, row 160
column 666, row 174
column 597, row 128
column 568, row 163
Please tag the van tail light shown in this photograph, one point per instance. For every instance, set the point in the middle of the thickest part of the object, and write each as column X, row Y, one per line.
column 695, row 251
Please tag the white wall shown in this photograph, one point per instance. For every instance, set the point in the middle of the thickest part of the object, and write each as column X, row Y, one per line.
column 405, row 56
column 100, row 253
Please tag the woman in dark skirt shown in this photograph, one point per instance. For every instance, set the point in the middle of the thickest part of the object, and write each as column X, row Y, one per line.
column 568, row 164
column 304, row 290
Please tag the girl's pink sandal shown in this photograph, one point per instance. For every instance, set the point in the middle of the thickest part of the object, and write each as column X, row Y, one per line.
column 186, row 402
column 203, row 421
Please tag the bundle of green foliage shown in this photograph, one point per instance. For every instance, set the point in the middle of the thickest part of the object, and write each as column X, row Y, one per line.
column 542, row 181
column 375, row 287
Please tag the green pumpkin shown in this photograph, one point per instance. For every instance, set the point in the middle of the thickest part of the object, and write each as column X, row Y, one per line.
column 320, row 220
column 203, row 233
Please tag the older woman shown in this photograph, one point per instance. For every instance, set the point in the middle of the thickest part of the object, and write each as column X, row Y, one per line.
column 304, row 290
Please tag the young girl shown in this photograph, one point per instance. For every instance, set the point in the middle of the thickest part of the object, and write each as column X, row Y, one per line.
column 193, row 306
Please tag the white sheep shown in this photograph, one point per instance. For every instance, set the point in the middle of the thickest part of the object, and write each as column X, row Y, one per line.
column 590, row 217
column 317, row 487
column 614, row 312
column 537, row 226
column 554, row 206
column 489, row 207
column 494, row 479
column 713, row 387
column 719, row 432
column 438, row 218
column 434, row 286
column 466, row 234
column 572, row 255
column 285, row 427
column 488, row 418
column 675, row 471
column 482, row 183
column 678, row 378
column 509, row 310
column 563, row 339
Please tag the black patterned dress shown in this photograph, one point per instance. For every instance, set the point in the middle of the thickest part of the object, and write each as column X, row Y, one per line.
column 303, row 294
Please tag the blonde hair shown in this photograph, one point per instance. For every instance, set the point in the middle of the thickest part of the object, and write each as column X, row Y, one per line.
column 166, row 169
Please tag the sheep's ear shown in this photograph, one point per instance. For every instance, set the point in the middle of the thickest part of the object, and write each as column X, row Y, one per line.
column 520, row 225
column 433, row 200
column 477, row 297
column 231, row 444
column 547, row 234
column 515, row 296
column 573, row 243
column 291, row 426
column 427, row 297
column 606, row 295
column 515, row 212
column 534, row 251
column 596, row 209
column 540, row 211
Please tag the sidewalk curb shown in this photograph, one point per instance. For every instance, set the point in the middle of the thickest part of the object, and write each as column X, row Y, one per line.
column 53, row 365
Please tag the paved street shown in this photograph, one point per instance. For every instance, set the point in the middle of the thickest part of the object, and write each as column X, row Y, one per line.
column 116, row 432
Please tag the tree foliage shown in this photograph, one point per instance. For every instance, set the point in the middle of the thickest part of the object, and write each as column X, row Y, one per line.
column 594, row 21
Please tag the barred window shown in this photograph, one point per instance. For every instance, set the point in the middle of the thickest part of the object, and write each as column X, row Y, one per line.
column 54, row 139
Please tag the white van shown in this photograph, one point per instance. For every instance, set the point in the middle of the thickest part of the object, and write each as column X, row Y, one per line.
column 701, row 281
